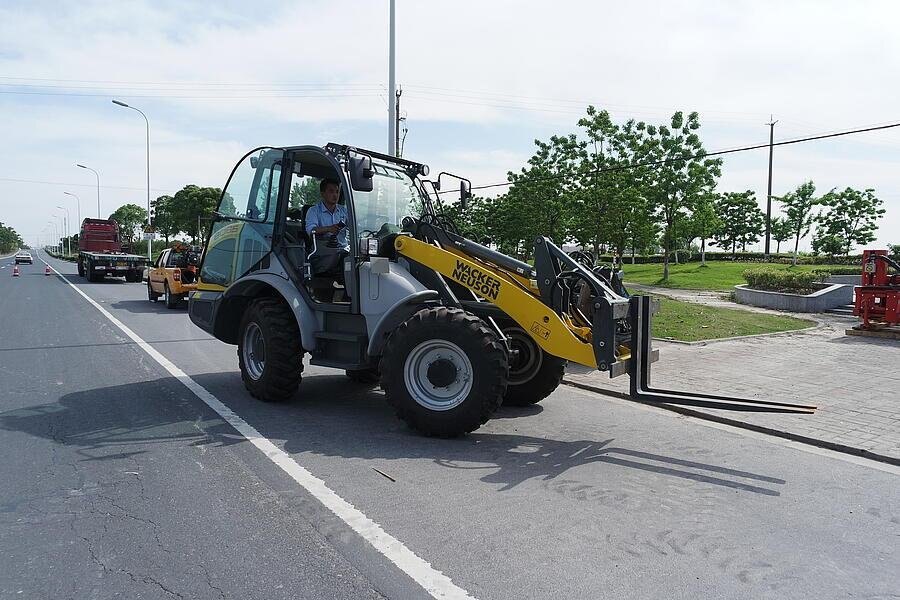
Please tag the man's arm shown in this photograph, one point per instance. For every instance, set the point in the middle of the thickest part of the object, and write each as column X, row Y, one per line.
column 312, row 219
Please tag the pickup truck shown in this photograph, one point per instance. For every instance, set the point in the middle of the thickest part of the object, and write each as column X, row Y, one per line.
column 174, row 274
column 100, row 253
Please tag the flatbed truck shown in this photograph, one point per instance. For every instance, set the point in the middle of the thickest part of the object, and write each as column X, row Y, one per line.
column 100, row 253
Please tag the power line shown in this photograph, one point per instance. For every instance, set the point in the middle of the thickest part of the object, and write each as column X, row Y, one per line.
column 86, row 185
column 694, row 156
column 186, row 97
column 192, row 83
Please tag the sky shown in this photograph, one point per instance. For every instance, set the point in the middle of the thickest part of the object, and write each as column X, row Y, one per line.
column 481, row 81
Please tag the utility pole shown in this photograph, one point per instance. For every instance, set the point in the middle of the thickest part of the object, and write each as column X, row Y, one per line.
column 392, row 84
column 771, row 125
column 397, row 119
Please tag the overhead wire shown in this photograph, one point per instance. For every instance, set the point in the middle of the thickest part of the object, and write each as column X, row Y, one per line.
column 699, row 155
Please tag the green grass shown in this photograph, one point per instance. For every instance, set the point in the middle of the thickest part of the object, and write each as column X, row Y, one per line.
column 689, row 322
column 717, row 275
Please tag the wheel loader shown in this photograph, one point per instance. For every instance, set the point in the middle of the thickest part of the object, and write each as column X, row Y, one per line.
column 450, row 328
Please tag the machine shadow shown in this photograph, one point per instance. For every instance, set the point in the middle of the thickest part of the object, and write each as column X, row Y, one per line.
column 121, row 421
column 332, row 416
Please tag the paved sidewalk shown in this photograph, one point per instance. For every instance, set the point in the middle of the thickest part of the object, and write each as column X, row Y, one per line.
column 854, row 381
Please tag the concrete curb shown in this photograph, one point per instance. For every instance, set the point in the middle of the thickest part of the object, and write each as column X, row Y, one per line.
column 794, row 437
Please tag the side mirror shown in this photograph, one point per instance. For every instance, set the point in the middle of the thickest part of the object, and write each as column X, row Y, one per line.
column 465, row 192
column 361, row 173
column 254, row 162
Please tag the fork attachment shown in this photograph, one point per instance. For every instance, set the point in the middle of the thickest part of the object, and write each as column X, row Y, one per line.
column 641, row 314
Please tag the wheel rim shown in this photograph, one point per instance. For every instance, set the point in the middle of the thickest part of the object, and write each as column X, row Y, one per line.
column 254, row 351
column 166, row 290
column 528, row 358
column 438, row 375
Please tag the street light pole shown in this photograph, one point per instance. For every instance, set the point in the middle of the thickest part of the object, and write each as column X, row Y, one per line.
column 149, row 224
column 392, row 107
column 97, row 175
column 58, row 227
column 66, row 235
column 78, row 200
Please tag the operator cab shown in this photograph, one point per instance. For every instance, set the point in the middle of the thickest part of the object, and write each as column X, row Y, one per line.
column 260, row 232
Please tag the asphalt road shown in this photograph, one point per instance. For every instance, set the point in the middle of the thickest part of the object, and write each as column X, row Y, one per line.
column 117, row 481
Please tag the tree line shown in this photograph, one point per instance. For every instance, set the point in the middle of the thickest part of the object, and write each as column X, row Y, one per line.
column 638, row 188
column 9, row 239
column 186, row 213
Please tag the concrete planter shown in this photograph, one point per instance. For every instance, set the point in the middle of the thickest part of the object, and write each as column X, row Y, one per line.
column 844, row 279
column 830, row 296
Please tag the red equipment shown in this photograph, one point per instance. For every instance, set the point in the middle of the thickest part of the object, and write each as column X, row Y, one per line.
column 878, row 295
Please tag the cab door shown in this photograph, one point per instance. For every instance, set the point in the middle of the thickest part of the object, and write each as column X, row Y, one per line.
column 240, row 239
column 241, row 235
column 157, row 273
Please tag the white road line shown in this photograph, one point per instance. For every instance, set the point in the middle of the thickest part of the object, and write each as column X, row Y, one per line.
column 435, row 582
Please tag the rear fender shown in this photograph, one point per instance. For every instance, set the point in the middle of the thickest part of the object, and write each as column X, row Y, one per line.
column 237, row 297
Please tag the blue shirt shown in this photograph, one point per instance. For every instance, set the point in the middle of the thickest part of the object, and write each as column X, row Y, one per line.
column 318, row 215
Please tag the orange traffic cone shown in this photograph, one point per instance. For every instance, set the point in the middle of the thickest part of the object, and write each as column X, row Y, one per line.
column 47, row 270
column 16, row 271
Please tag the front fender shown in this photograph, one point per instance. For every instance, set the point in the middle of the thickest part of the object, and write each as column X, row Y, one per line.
column 396, row 314
column 236, row 298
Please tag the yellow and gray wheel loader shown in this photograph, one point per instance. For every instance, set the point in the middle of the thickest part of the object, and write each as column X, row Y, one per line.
column 393, row 294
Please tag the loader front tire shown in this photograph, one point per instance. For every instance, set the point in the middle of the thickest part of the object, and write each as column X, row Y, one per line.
column 533, row 374
column 269, row 351
column 444, row 372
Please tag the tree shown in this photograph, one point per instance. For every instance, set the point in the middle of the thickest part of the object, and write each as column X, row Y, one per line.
column 781, row 232
column 706, row 222
column 684, row 176
column 191, row 206
column 129, row 217
column 9, row 239
column 305, row 193
column 798, row 207
column 475, row 221
column 540, row 198
column 164, row 218
column 851, row 217
column 643, row 231
column 609, row 205
column 829, row 244
column 742, row 220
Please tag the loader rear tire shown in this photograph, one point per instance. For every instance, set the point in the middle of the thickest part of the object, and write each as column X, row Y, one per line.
column 444, row 372
column 269, row 352
column 533, row 374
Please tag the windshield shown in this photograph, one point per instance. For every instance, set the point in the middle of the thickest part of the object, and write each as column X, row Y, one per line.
column 394, row 195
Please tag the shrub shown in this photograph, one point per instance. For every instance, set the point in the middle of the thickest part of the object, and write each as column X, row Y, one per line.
column 794, row 282
column 845, row 270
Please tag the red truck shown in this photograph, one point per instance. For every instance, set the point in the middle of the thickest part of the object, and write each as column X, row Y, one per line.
column 100, row 253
